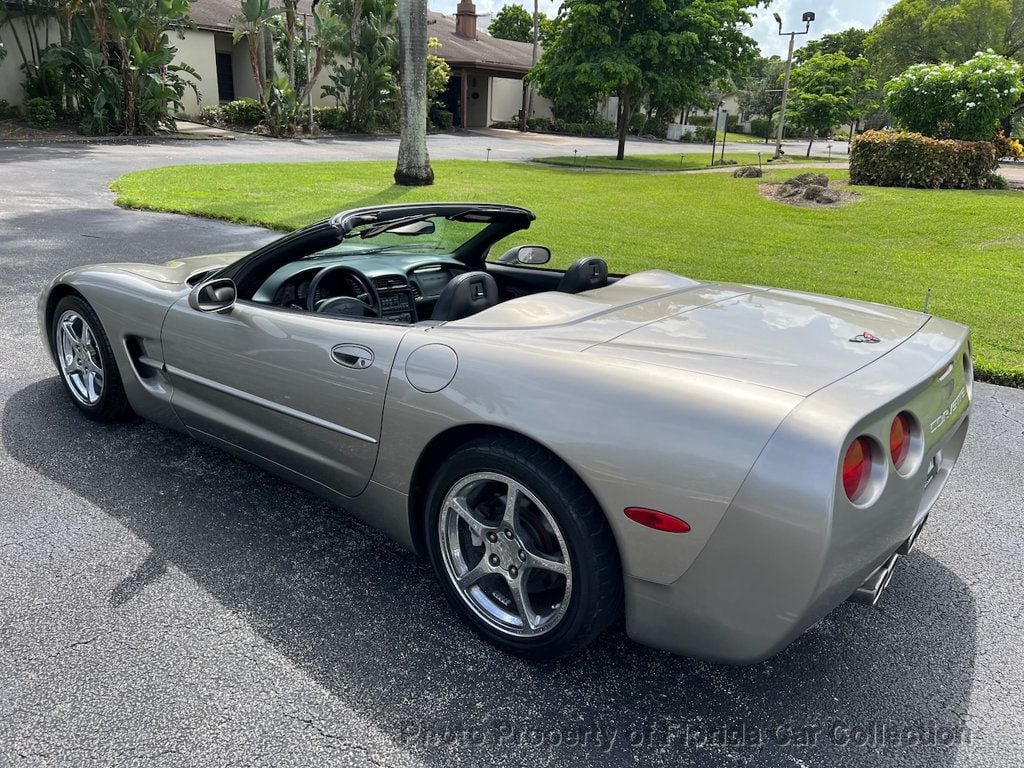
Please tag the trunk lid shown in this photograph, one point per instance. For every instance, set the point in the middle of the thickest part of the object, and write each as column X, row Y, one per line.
column 786, row 340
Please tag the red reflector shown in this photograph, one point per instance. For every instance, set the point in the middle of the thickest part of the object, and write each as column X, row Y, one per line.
column 857, row 467
column 659, row 521
column 899, row 439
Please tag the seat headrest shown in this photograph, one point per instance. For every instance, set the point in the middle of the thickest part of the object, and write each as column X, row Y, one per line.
column 465, row 295
column 584, row 275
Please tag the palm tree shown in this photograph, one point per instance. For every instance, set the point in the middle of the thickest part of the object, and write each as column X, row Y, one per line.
column 413, row 162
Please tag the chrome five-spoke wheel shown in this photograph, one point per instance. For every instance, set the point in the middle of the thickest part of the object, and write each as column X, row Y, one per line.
column 79, row 357
column 505, row 554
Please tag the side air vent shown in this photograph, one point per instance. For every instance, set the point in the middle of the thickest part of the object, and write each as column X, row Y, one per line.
column 416, row 290
column 390, row 282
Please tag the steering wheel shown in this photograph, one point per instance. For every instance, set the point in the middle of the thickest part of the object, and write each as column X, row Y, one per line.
column 364, row 304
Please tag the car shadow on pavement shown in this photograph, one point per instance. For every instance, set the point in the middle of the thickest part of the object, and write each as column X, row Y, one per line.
column 363, row 617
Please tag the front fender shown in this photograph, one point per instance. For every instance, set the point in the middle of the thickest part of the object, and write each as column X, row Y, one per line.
column 131, row 309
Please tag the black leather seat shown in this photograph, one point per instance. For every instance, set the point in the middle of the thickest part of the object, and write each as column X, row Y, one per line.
column 465, row 295
column 584, row 275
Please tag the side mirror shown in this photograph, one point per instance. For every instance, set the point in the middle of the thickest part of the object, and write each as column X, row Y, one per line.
column 526, row 254
column 217, row 295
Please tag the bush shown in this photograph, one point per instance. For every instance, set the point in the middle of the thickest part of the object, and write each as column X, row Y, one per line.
column 441, row 119
column 244, row 113
column 699, row 120
column 732, row 123
column 705, row 134
column 40, row 113
column 761, row 127
column 901, row 159
column 331, row 118
column 8, row 110
column 957, row 102
column 597, row 126
column 212, row 114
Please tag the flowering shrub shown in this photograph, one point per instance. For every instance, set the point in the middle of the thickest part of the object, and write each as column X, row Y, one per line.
column 900, row 159
column 957, row 102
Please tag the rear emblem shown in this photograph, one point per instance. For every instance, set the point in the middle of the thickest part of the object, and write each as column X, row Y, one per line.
column 865, row 338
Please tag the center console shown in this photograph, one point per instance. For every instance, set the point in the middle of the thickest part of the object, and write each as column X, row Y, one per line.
column 396, row 300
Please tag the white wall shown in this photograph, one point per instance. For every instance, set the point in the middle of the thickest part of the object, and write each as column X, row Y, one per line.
column 198, row 50
column 11, row 75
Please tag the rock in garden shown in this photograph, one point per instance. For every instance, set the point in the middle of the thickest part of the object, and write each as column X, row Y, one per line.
column 748, row 172
column 790, row 189
column 809, row 179
column 813, row 191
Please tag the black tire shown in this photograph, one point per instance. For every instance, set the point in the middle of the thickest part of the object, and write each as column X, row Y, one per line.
column 112, row 404
column 596, row 597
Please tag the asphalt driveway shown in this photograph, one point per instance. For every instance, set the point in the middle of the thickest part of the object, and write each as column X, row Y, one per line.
column 165, row 604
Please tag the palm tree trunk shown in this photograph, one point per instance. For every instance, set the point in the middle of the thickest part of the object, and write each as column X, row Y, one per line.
column 413, row 167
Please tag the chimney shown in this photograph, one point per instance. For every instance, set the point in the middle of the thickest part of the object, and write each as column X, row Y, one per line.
column 465, row 19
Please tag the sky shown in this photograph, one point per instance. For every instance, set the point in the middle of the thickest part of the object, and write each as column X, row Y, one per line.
column 832, row 16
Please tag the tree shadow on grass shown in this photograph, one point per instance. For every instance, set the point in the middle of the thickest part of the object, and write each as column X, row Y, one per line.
column 365, row 619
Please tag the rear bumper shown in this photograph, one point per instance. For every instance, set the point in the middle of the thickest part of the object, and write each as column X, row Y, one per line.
column 789, row 550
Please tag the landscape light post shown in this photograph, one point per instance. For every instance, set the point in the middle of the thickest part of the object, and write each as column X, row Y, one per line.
column 527, row 89
column 807, row 18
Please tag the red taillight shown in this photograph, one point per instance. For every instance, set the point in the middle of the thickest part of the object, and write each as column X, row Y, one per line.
column 899, row 439
column 857, row 467
column 659, row 521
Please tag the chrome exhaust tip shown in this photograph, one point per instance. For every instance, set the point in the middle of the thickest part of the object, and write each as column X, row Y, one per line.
column 871, row 590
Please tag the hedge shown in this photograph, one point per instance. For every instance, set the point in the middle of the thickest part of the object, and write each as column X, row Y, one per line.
column 902, row 159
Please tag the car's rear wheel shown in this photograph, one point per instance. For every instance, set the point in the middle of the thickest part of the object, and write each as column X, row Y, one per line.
column 521, row 548
column 86, row 361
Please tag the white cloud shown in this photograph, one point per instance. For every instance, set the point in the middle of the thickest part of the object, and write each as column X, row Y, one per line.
column 831, row 17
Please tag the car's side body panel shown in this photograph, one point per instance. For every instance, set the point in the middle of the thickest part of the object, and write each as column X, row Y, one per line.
column 266, row 379
column 637, row 436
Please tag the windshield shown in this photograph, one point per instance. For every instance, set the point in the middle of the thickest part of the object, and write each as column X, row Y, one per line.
column 417, row 234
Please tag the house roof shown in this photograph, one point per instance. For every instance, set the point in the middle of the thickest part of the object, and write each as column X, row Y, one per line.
column 485, row 52
column 216, row 14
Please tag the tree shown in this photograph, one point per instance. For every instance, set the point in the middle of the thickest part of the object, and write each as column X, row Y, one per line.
column 636, row 49
column 413, row 168
column 281, row 97
column 934, row 31
column 959, row 102
column 364, row 73
column 116, row 65
column 761, row 93
column 513, row 22
column 827, row 90
column 852, row 42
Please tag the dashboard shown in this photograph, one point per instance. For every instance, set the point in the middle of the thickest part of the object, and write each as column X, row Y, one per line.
column 406, row 287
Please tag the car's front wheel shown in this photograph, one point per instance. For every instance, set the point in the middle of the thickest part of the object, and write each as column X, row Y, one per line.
column 521, row 548
column 86, row 361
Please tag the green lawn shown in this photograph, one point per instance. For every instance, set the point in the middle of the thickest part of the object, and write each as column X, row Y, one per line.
column 680, row 161
column 891, row 246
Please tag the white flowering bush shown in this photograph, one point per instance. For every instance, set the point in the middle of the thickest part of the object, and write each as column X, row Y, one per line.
column 956, row 102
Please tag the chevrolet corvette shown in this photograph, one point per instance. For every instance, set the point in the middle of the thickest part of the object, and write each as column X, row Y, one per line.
column 720, row 465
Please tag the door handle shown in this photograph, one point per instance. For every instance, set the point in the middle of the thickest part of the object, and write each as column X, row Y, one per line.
column 352, row 356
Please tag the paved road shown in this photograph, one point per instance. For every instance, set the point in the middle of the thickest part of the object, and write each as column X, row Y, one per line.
column 163, row 604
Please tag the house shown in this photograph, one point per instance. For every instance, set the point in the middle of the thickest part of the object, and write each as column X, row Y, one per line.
column 486, row 85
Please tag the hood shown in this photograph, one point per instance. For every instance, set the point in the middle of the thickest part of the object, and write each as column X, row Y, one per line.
column 180, row 270
column 786, row 340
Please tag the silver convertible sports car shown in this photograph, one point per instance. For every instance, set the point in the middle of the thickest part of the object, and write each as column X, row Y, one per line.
column 721, row 464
